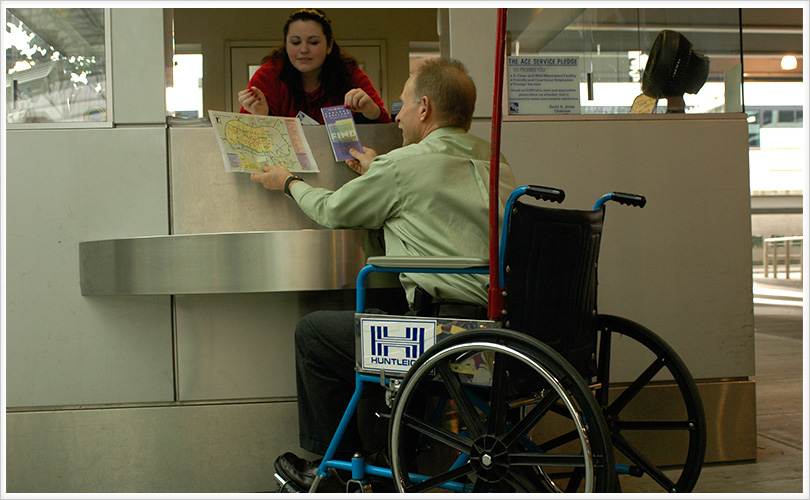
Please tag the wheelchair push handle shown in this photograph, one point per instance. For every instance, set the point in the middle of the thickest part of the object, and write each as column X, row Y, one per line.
column 634, row 200
column 546, row 193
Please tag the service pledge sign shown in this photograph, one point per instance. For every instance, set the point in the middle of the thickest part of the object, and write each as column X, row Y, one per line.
column 543, row 85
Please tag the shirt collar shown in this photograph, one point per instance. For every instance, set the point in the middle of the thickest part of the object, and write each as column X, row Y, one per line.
column 440, row 132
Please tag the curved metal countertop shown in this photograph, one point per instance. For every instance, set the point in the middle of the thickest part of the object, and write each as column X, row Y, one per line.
column 264, row 261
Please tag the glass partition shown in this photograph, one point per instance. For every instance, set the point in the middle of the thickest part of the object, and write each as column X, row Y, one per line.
column 57, row 67
column 593, row 61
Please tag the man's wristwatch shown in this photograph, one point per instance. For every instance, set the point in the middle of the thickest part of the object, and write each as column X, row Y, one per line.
column 287, row 184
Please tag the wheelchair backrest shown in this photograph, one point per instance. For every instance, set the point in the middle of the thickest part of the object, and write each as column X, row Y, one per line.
column 550, row 278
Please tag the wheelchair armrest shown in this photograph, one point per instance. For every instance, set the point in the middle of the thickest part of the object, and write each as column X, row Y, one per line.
column 405, row 264
column 429, row 262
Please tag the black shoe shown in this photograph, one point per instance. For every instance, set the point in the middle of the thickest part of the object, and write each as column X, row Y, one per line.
column 302, row 473
column 289, row 487
column 299, row 471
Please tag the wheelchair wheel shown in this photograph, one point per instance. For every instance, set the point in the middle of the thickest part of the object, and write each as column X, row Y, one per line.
column 660, row 430
column 494, row 410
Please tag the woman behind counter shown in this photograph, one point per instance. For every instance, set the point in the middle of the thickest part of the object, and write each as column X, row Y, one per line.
column 310, row 72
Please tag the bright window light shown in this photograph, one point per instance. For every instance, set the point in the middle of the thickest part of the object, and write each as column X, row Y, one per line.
column 184, row 100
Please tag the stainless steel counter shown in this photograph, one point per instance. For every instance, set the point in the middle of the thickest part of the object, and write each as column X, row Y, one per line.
column 269, row 261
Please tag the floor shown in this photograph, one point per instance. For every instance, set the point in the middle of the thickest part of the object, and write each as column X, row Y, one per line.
column 781, row 465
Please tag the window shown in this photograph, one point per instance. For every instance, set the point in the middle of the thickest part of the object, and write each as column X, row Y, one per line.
column 789, row 118
column 771, row 118
column 591, row 60
column 184, row 99
column 778, row 116
column 57, row 64
column 753, row 128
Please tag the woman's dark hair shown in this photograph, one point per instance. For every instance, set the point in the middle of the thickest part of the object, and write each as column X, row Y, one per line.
column 337, row 68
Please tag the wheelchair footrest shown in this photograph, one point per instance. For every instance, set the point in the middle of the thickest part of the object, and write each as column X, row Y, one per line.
column 358, row 486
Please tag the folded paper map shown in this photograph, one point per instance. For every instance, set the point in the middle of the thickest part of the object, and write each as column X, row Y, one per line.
column 248, row 141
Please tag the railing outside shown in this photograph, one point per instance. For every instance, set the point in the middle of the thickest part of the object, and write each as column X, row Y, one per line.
column 771, row 253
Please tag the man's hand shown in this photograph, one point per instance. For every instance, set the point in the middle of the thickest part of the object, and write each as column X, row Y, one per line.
column 358, row 101
column 253, row 101
column 361, row 160
column 273, row 177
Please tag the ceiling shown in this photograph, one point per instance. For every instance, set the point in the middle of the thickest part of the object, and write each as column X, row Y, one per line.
column 72, row 32
column 767, row 34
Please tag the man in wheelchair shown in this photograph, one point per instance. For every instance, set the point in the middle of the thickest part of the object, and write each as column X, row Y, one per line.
column 430, row 198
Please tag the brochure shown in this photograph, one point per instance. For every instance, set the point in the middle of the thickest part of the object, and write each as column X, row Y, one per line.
column 342, row 131
column 306, row 119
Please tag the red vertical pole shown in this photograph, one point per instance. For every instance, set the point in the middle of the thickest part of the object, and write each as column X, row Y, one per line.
column 496, row 300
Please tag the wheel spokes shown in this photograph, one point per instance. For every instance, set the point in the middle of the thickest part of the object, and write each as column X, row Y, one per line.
column 456, row 441
column 469, row 415
column 522, row 481
column 643, row 462
column 531, row 419
column 497, row 398
column 560, row 440
column 438, row 480
column 575, row 481
column 633, row 389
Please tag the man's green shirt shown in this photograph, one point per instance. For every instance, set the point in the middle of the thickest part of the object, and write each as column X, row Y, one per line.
column 430, row 198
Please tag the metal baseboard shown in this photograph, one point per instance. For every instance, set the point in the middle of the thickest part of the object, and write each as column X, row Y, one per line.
column 231, row 447
column 730, row 407
column 212, row 448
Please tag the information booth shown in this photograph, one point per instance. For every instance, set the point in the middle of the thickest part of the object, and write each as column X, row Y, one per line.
column 152, row 296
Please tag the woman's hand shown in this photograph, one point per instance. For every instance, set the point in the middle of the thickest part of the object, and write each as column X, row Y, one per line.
column 361, row 160
column 253, row 101
column 358, row 101
column 272, row 178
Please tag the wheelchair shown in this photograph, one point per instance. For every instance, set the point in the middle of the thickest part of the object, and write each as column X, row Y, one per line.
column 527, row 402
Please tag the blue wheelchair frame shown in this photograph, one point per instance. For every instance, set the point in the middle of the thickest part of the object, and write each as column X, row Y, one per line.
column 357, row 466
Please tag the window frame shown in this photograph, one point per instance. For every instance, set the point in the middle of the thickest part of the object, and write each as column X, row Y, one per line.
column 108, row 76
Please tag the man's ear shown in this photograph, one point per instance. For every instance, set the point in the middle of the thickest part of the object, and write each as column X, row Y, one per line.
column 426, row 108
